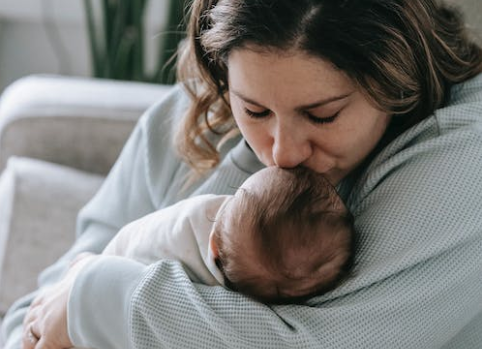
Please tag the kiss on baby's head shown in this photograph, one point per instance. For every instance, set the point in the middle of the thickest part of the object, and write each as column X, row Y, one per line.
column 285, row 236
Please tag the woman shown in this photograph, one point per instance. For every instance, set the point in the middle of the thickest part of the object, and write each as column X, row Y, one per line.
column 383, row 97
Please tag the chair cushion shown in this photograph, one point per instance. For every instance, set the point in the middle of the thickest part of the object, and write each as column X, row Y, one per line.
column 78, row 122
column 39, row 202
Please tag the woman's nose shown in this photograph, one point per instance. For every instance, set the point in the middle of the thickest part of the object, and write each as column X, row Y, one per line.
column 290, row 147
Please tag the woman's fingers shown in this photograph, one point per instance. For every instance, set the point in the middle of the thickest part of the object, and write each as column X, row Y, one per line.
column 45, row 324
column 30, row 337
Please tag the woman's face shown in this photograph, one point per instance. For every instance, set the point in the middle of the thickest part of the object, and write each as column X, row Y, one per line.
column 294, row 109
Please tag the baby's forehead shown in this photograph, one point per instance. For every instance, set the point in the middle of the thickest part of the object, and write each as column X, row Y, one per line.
column 261, row 178
column 268, row 179
column 273, row 187
column 283, row 179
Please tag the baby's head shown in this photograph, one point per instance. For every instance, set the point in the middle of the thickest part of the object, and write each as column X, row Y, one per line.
column 285, row 236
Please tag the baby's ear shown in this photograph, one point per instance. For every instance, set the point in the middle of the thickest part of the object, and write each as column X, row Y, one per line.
column 213, row 245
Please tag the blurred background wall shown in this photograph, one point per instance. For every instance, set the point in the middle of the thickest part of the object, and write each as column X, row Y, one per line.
column 51, row 36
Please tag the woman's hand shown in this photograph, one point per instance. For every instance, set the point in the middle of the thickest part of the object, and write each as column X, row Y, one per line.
column 45, row 325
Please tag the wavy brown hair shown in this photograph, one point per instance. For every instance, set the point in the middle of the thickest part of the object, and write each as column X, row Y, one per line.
column 405, row 55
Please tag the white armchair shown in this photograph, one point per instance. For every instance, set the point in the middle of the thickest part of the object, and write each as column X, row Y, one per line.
column 59, row 137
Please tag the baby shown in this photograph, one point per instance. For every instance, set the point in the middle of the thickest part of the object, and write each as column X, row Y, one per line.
column 283, row 237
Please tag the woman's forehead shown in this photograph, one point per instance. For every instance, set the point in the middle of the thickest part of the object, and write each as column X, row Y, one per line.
column 296, row 78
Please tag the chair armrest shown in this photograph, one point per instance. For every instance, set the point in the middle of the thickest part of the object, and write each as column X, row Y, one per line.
column 39, row 202
column 78, row 122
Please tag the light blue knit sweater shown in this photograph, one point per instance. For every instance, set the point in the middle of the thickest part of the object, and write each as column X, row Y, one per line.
column 417, row 208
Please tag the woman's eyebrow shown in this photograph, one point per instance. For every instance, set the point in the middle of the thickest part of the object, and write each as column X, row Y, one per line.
column 302, row 107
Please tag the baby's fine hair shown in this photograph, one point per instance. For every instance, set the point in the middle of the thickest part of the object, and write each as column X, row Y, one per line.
column 300, row 231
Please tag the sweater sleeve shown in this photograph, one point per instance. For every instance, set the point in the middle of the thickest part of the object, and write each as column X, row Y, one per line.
column 417, row 284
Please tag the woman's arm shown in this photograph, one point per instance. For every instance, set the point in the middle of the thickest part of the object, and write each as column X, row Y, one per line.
column 418, row 282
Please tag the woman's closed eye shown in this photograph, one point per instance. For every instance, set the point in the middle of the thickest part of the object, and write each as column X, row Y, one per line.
column 311, row 117
column 257, row 115
column 322, row 120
